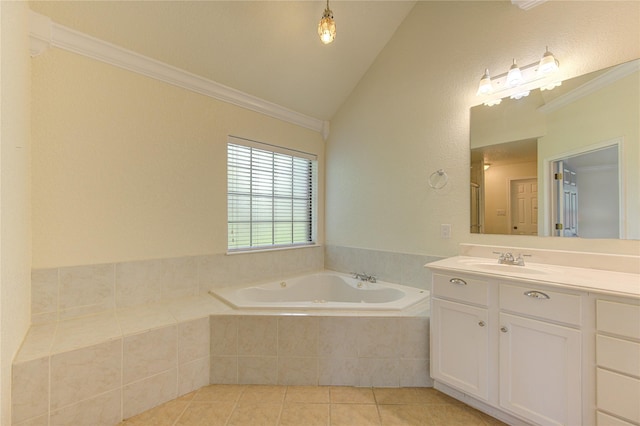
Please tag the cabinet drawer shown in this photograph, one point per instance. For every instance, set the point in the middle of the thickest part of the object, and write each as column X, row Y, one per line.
column 470, row 290
column 617, row 354
column 603, row 419
column 618, row 394
column 618, row 318
column 544, row 304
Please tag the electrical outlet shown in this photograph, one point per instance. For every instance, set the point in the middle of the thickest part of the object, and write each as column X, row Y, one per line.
column 445, row 231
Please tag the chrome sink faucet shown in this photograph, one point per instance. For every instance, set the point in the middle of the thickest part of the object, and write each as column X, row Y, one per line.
column 508, row 259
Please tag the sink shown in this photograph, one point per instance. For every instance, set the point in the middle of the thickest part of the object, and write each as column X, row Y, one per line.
column 493, row 266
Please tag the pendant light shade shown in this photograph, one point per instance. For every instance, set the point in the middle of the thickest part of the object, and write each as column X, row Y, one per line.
column 327, row 26
column 548, row 64
column 514, row 77
column 485, row 86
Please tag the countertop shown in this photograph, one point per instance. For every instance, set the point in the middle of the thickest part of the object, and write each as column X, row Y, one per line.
column 613, row 283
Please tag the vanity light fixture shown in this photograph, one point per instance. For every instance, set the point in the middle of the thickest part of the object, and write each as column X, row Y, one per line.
column 518, row 82
column 327, row 26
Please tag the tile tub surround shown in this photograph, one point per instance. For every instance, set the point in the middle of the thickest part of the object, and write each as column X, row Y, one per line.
column 339, row 350
column 72, row 292
column 99, row 369
column 102, row 368
column 400, row 268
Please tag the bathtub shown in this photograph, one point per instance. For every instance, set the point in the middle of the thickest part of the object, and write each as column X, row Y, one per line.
column 323, row 290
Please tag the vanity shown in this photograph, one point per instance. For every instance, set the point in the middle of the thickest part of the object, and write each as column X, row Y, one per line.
column 555, row 341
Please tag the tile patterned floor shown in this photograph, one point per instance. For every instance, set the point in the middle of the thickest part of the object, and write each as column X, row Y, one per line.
column 253, row 405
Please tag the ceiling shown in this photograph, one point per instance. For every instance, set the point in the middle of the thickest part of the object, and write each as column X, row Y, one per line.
column 268, row 49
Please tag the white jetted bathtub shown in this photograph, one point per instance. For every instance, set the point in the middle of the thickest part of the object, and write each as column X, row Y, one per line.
column 324, row 290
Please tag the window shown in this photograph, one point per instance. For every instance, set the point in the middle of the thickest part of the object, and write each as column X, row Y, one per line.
column 271, row 198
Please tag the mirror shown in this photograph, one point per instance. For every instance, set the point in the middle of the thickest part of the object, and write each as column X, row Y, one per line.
column 563, row 162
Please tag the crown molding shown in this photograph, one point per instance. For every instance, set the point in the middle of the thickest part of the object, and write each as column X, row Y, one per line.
column 591, row 86
column 44, row 33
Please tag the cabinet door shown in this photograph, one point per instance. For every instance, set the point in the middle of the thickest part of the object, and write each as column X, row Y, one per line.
column 540, row 367
column 459, row 347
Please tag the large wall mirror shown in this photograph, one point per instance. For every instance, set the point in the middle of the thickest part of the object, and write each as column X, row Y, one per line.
column 564, row 162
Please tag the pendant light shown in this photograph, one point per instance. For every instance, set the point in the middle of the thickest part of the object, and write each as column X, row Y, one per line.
column 548, row 64
column 485, row 86
column 327, row 26
column 514, row 77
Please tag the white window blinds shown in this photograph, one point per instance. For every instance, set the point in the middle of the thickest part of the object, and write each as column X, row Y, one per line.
column 270, row 196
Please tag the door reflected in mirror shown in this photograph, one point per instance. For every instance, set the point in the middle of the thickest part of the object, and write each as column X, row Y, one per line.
column 562, row 162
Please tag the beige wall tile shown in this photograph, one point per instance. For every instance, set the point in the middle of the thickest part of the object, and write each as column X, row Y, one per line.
column 141, row 318
column 193, row 375
column 378, row 337
column 258, row 370
column 84, row 373
column 37, row 343
column 224, row 335
column 378, row 372
column 29, row 389
column 257, row 336
column 338, row 337
column 297, row 336
column 338, row 371
column 81, row 332
column 148, row 393
column 44, row 291
column 149, row 353
column 138, row 283
column 86, row 289
column 193, row 340
column 414, row 373
column 102, row 410
column 224, row 370
column 179, row 277
column 297, row 371
column 413, row 337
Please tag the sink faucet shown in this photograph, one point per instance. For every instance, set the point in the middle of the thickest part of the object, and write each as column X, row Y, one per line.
column 508, row 259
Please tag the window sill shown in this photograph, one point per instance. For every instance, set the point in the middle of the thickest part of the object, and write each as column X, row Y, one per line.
column 268, row 249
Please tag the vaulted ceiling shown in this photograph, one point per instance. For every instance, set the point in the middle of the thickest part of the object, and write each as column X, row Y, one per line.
column 268, row 49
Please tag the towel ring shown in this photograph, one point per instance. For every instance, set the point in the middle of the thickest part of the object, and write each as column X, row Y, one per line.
column 438, row 179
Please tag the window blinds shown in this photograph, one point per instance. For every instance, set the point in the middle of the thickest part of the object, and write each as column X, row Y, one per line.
column 270, row 196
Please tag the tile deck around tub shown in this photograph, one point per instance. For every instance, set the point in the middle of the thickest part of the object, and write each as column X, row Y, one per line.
column 254, row 405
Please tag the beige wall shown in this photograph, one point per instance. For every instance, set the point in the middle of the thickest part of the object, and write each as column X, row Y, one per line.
column 129, row 168
column 15, row 227
column 409, row 116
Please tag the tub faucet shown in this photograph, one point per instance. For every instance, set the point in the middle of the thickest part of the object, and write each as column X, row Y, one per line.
column 364, row 277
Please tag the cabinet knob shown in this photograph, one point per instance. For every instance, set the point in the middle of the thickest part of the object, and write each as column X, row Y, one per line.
column 504, row 329
column 481, row 324
column 458, row 281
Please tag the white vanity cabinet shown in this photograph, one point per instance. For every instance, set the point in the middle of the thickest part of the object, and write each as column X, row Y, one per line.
column 514, row 347
column 618, row 362
column 540, row 354
column 459, row 334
